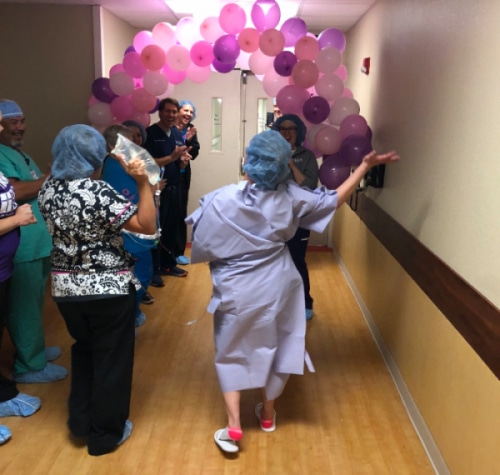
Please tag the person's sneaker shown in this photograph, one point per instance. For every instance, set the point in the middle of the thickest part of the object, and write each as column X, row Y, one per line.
column 309, row 313
column 140, row 319
column 157, row 281
column 51, row 372
column 21, row 405
column 174, row 271
column 182, row 260
column 148, row 299
column 5, row 434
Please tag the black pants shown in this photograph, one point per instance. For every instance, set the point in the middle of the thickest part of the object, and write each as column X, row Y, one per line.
column 170, row 212
column 181, row 238
column 101, row 368
column 298, row 248
column 8, row 389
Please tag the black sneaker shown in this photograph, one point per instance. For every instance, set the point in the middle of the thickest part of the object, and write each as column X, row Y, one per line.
column 174, row 271
column 157, row 281
column 148, row 299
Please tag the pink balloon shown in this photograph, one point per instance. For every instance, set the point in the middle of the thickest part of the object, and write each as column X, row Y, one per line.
column 117, row 68
column 248, row 40
column 329, row 86
column 305, row 73
column 341, row 72
column 198, row 74
column 133, row 66
column 293, row 29
column 312, row 131
column 328, row 140
column 142, row 100
column 273, row 83
column 232, row 18
column 265, row 14
column 155, row 82
column 328, row 60
column 290, row 99
column 121, row 108
column 173, row 76
column 353, row 125
column 121, row 84
column 141, row 40
column 341, row 108
column 92, row 101
column 178, row 58
column 271, row 42
column 153, row 57
column 100, row 114
column 260, row 63
column 306, row 48
column 163, row 35
column 202, row 53
column 347, row 92
column 187, row 32
column 142, row 117
column 210, row 29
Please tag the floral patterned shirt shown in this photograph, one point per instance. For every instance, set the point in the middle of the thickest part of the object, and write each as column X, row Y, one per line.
column 84, row 218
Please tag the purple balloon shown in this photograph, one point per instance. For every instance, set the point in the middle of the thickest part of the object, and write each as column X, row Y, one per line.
column 332, row 37
column 265, row 14
column 331, row 175
column 130, row 49
column 223, row 67
column 155, row 108
column 354, row 148
column 284, row 63
column 369, row 134
column 101, row 90
column 316, row 109
column 226, row 49
column 293, row 29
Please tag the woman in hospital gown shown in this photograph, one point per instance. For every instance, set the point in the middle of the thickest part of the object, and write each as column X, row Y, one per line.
column 258, row 298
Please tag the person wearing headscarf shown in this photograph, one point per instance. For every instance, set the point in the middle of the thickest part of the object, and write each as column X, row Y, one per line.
column 187, row 114
column 93, row 283
column 27, row 288
column 304, row 170
column 258, row 297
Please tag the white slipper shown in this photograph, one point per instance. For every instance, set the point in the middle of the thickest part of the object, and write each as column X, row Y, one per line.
column 225, row 442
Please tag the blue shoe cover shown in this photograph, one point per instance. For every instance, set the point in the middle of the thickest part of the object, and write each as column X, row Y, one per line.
column 309, row 313
column 126, row 432
column 52, row 353
column 51, row 372
column 182, row 260
column 5, row 434
column 140, row 319
column 21, row 405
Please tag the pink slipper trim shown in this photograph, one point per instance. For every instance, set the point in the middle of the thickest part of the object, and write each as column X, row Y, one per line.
column 235, row 433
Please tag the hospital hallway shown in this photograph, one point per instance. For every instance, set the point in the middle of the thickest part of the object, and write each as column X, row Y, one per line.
column 347, row 418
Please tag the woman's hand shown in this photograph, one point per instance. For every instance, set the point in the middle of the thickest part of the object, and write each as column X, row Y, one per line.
column 136, row 168
column 373, row 159
column 25, row 215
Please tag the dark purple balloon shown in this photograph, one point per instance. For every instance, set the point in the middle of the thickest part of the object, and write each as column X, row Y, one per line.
column 130, row 49
column 223, row 67
column 331, row 175
column 316, row 109
column 226, row 49
column 284, row 63
column 354, row 148
column 369, row 134
column 101, row 90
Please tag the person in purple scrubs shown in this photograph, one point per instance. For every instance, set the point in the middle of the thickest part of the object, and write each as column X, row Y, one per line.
column 258, row 294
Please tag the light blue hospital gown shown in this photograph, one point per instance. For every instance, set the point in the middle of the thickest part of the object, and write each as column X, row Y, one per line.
column 258, row 298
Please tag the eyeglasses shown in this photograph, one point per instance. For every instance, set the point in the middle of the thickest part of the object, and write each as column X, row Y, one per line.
column 287, row 129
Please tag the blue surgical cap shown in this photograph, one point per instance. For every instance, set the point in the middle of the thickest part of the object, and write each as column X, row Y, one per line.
column 77, row 151
column 142, row 130
column 267, row 158
column 185, row 102
column 10, row 108
column 301, row 128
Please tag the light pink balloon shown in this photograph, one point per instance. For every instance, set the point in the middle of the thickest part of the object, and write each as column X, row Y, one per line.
column 290, row 99
column 117, row 68
column 271, row 42
column 187, row 32
column 347, row 92
column 121, row 84
column 210, row 29
column 341, row 108
column 354, row 124
column 232, row 18
column 248, row 40
column 306, row 48
column 142, row 100
column 305, row 73
column 173, row 76
column 121, row 108
column 163, row 35
column 100, row 114
column 312, row 131
column 178, row 58
column 328, row 60
column 153, row 57
column 142, row 39
column 142, row 117
column 202, row 54
column 341, row 72
column 133, row 66
column 198, row 74
column 260, row 63
column 329, row 86
column 328, row 140
column 93, row 100
column 272, row 83
column 155, row 82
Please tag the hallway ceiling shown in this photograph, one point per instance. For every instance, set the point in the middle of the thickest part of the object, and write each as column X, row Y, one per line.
column 144, row 14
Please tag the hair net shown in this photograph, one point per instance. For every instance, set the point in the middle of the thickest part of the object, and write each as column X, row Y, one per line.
column 10, row 108
column 133, row 123
column 267, row 158
column 185, row 102
column 77, row 151
column 301, row 128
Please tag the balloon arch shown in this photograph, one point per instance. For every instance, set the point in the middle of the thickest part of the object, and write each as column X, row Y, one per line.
column 303, row 72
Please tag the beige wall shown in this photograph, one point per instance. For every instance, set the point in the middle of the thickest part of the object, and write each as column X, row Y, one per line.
column 47, row 66
column 431, row 95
